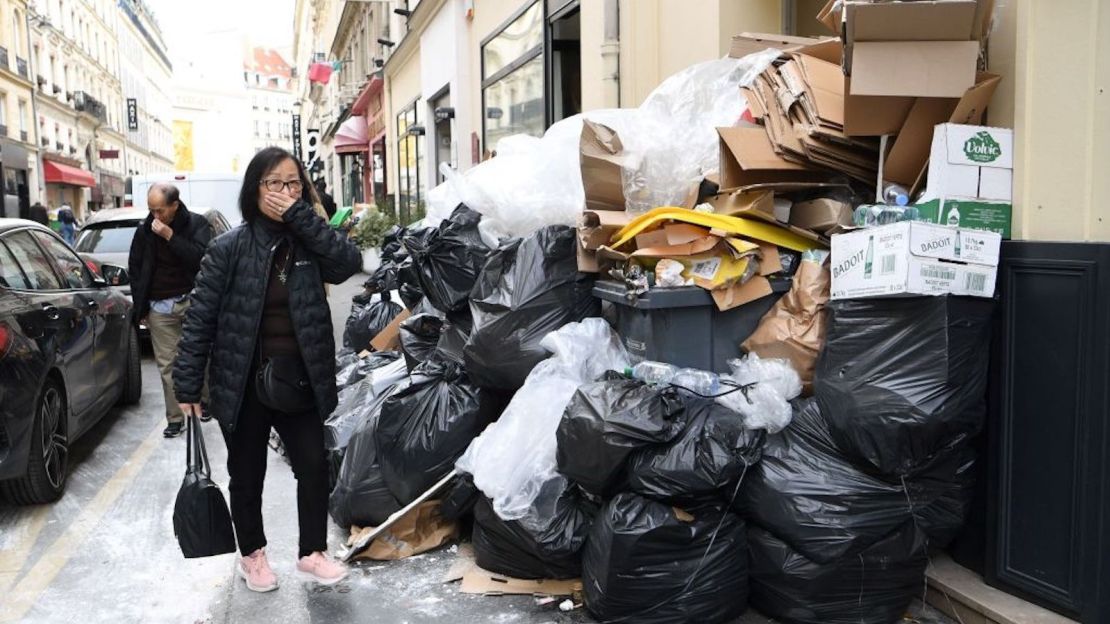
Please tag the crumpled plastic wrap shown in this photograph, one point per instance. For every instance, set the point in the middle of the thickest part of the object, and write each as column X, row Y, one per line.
column 358, row 401
column 515, row 457
column 771, row 385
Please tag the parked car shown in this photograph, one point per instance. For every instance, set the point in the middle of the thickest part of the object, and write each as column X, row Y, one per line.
column 68, row 353
column 106, row 237
column 217, row 190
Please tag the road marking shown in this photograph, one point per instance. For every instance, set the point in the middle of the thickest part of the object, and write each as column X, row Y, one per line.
column 23, row 596
column 12, row 559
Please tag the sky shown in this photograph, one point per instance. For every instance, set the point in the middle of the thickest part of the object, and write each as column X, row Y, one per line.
column 186, row 24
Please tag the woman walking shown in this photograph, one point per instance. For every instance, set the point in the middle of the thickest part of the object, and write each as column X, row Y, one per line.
column 261, row 326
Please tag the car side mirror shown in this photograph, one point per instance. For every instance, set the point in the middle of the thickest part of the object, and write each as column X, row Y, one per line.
column 114, row 275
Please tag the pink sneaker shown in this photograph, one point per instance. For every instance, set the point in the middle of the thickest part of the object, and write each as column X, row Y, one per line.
column 322, row 569
column 255, row 570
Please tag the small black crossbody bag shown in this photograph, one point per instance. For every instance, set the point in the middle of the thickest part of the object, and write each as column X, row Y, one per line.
column 282, row 381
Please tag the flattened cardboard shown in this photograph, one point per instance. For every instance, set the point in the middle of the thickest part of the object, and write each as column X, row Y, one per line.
column 419, row 531
column 743, row 203
column 680, row 233
column 479, row 581
column 913, row 68
column 601, row 160
column 747, row 157
column 654, row 238
column 909, row 156
column 832, row 17
column 770, row 261
column 699, row 246
column 737, row 295
column 821, row 215
column 750, row 43
column 866, row 115
column 462, row 564
column 390, row 338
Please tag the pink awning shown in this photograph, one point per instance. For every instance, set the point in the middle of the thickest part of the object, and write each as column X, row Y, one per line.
column 351, row 136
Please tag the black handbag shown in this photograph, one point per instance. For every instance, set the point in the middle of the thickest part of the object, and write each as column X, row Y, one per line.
column 201, row 520
column 282, row 384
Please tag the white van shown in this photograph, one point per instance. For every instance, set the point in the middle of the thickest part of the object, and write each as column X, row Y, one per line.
column 214, row 190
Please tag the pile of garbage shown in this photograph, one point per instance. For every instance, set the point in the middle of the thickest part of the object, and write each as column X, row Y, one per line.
column 695, row 354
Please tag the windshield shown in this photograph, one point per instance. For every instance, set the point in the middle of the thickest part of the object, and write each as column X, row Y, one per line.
column 108, row 239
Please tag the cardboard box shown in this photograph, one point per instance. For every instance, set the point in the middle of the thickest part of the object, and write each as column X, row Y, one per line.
column 971, row 162
column 820, row 215
column 751, row 43
column 390, row 338
column 973, row 214
column 601, row 160
column 743, row 203
column 913, row 258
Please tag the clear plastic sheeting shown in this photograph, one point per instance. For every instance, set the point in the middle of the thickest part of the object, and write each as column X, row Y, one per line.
column 771, row 385
column 515, row 457
column 358, row 401
column 673, row 142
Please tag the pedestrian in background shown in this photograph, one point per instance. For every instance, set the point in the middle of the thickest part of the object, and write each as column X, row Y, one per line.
column 39, row 214
column 69, row 224
column 327, row 200
column 260, row 324
column 165, row 258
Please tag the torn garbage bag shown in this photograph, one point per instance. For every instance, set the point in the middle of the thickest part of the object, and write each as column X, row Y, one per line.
column 605, row 422
column 901, row 380
column 827, row 509
column 545, row 544
column 447, row 259
column 528, row 288
column 360, row 496
column 874, row 587
column 427, row 423
column 648, row 562
column 366, row 322
column 419, row 336
column 712, row 453
column 514, row 458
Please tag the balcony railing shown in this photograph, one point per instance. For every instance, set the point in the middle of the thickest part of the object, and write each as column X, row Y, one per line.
column 86, row 103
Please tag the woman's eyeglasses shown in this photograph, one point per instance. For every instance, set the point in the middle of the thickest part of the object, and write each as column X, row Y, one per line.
column 277, row 186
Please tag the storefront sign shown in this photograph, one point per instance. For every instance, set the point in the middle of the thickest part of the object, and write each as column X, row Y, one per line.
column 132, row 114
column 109, row 154
column 297, row 137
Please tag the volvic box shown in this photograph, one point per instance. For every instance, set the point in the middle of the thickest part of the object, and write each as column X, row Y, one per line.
column 971, row 172
column 913, row 258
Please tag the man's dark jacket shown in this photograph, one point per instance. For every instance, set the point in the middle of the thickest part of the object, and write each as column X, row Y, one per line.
column 191, row 235
column 222, row 324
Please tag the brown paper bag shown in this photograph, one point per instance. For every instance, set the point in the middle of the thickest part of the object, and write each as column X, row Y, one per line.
column 795, row 327
column 419, row 531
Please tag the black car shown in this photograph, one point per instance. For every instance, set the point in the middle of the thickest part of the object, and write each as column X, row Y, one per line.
column 68, row 353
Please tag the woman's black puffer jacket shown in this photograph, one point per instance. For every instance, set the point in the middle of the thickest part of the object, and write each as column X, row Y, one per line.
column 222, row 324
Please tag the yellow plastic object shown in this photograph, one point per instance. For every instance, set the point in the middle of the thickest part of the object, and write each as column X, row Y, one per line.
column 738, row 226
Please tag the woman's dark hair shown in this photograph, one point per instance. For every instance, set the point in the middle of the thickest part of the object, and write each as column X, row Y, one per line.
column 262, row 163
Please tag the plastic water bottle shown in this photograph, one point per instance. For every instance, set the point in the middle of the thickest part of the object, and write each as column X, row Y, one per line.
column 699, row 381
column 872, row 215
column 652, row 372
column 896, row 195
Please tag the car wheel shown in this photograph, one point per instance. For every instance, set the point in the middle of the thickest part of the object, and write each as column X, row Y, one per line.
column 48, row 461
column 133, row 376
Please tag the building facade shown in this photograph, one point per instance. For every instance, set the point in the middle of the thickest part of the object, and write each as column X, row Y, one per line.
column 146, row 76
column 19, row 149
column 268, row 79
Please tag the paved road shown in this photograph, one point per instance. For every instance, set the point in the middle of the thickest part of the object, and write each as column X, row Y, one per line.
column 106, row 551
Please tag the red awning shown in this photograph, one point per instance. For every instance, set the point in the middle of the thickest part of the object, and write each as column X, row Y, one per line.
column 350, row 138
column 373, row 87
column 57, row 173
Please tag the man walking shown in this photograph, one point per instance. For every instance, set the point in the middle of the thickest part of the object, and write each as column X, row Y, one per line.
column 39, row 214
column 164, row 262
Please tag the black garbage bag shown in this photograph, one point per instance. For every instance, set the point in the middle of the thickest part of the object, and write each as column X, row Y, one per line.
column 460, row 498
column 382, row 280
column 356, row 402
column 456, row 330
column 528, row 288
column 365, row 323
column 391, row 243
column 201, row 520
column 605, row 422
column 546, row 544
column 408, row 283
column 419, row 337
column 360, row 497
column 353, row 369
column 427, row 423
column 827, row 509
column 944, row 497
column 703, row 464
column 903, row 380
column 875, row 586
column 344, row 358
column 647, row 562
column 447, row 259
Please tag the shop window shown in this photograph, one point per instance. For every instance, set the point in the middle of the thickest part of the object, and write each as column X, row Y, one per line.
column 565, row 45
column 513, row 78
column 410, row 163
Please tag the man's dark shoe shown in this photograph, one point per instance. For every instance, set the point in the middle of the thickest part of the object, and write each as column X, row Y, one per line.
column 173, row 430
column 205, row 415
